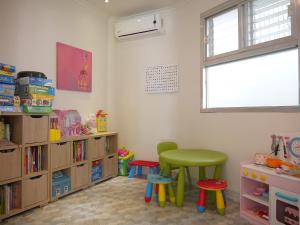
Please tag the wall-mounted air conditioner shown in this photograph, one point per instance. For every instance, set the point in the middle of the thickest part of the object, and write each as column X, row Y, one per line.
column 138, row 26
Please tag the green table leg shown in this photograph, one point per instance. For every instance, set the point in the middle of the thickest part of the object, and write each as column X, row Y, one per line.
column 218, row 172
column 202, row 175
column 180, row 188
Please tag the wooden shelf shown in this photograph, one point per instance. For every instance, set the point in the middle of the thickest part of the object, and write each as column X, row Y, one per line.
column 9, row 146
column 10, row 181
column 61, row 168
column 256, row 199
column 35, row 144
column 35, row 174
column 79, row 163
column 251, row 217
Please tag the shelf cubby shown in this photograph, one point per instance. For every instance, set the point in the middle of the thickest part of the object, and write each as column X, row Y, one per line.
column 35, row 159
column 111, row 144
column 61, row 183
column 10, row 198
column 79, row 152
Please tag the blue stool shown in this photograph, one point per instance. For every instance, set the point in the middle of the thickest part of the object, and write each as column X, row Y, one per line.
column 160, row 190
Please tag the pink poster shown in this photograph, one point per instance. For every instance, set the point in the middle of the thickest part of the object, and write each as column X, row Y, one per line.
column 74, row 68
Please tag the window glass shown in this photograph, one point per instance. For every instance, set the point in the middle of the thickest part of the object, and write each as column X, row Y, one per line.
column 267, row 80
column 267, row 20
column 222, row 33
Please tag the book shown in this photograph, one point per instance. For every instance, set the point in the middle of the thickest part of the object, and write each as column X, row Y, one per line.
column 7, row 68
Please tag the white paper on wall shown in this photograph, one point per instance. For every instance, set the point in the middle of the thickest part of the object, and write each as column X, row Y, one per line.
column 161, row 79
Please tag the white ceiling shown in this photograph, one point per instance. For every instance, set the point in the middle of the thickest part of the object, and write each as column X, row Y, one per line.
column 129, row 7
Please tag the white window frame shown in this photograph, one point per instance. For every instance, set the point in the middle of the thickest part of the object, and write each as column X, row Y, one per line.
column 245, row 51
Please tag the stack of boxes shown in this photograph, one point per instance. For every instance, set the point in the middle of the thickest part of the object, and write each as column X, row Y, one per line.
column 8, row 103
column 36, row 92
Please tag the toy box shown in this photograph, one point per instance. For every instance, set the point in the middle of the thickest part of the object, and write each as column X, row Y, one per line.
column 96, row 170
column 61, row 184
column 69, row 122
column 5, row 79
column 36, row 109
column 6, row 100
column 123, row 164
column 7, row 89
column 27, row 90
column 7, row 68
column 35, row 81
column 36, row 102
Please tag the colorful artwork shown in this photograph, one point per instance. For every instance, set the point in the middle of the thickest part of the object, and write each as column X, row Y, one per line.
column 74, row 68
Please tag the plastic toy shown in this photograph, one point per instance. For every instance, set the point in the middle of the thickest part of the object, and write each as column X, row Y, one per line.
column 125, row 157
column 69, row 122
column 101, row 118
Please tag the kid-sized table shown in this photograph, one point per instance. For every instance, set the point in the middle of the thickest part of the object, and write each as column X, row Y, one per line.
column 195, row 158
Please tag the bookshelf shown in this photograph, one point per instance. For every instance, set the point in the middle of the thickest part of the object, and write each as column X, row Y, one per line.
column 82, row 161
column 24, row 162
column 35, row 171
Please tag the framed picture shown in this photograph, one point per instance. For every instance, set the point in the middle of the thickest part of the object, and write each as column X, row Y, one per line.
column 74, row 68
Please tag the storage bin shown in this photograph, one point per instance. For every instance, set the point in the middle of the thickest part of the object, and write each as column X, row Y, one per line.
column 10, row 161
column 35, row 190
column 80, row 176
column 35, row 128
column 123, row 165
column 60, row 154
column 97, row 147
column 110, row 166
column 61, row 184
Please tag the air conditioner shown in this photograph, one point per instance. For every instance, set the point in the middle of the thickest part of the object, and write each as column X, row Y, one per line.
column 138, row 26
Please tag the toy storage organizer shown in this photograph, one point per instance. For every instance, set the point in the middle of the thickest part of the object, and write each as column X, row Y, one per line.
column 81, row 161
column 268, row 198
column 34, row 171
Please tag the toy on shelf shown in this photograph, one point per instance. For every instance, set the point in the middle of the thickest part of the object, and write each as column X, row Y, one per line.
column 69, row 122
column 91, row 124
column 101, row 118
column 125, row 157
column 54, row 131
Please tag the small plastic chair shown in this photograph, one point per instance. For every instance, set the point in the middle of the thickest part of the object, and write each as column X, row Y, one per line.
column 216, row 185
column 160, row 190
column 169, row 146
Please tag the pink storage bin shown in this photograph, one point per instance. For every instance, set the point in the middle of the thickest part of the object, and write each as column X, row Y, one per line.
column 69, row 122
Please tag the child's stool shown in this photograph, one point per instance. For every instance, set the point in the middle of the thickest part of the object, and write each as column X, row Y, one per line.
column 159, row 182
column 153, row 167
column 211, row 185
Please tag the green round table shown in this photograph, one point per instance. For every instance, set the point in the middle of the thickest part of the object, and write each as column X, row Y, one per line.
column 195, row 158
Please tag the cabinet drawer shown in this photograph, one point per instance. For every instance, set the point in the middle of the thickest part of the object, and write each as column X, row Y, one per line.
column 35, row 129
column 97, row 147
column 60, row 154
column 110, row 166
column 80, row 176
column 35, row 190
column 10, row 161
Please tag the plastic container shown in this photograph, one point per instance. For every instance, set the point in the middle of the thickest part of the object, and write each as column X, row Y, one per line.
column 69, row 122
column 123, row 164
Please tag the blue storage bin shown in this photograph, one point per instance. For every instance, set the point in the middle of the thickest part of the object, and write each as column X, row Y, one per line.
column 61, row 184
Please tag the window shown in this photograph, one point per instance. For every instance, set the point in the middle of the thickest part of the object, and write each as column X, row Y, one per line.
column 251, row 56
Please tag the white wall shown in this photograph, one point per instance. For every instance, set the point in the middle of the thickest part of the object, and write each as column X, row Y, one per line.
column 145, row 119
column 30, row 30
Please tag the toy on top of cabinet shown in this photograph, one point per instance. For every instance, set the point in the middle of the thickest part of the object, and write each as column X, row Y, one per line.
column 101, row 118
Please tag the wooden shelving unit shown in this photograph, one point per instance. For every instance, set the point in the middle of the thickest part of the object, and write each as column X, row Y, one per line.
column 34, row 188
column 99, row 147
column 23, row 191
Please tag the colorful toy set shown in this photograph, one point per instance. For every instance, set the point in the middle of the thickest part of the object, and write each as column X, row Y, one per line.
column 101, row 119
column 125, row 157
column 137, row 166
column 8, row 102
column 160, row 190
column 68, row 122
column 36, row 92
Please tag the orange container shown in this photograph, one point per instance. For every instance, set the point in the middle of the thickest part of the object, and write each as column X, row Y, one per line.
column 273, row 162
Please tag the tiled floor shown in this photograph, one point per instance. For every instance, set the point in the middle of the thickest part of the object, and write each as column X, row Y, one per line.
column 120, row 201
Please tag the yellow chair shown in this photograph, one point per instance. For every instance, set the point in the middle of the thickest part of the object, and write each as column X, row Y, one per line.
column 169, row 146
